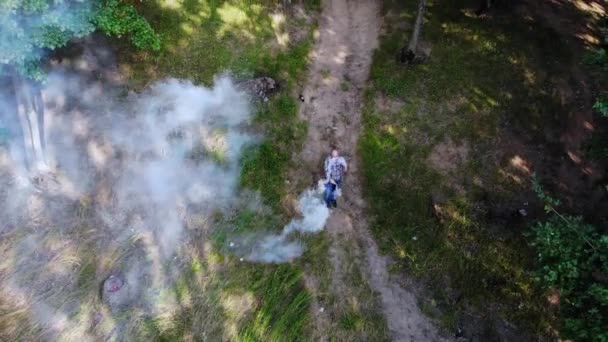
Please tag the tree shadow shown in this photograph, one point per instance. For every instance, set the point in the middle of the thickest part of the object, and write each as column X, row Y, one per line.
column 510, row 85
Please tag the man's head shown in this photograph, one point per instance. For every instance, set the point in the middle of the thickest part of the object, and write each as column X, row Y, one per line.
column 334, row 153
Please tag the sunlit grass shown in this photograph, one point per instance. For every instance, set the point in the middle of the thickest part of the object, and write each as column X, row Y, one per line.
column 214, row 297
column 241, row 301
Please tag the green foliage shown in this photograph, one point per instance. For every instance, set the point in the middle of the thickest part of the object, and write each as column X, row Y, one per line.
column 351, row 321
column 549, row 202
column 29, row 27
column 573, row 259
column 33, row 6
column 51, row 37
column 282, row 315
column 596, row 147
column 601, row 105
column 32, row 69
column 117, row 18
column 598, row 57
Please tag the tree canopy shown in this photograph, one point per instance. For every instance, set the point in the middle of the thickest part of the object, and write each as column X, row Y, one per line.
column 30, row 28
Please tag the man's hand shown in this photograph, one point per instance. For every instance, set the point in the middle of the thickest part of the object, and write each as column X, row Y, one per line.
column 332, row 182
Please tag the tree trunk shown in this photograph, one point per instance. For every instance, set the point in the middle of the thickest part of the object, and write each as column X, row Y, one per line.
column 30, row 111
column 483, row 6
column 409, row 54
column 413, row 45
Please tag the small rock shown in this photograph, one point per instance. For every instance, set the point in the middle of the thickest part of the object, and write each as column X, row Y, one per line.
column 414, row 238
column 231, row 244
column 523, row 212
column 301, row 98
column 322, row 309
column 241, row 259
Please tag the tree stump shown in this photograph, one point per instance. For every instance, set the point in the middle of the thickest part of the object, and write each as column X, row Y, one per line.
column 259, row 88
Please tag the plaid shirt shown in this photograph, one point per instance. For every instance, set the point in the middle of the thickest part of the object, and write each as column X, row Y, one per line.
column 334, row 168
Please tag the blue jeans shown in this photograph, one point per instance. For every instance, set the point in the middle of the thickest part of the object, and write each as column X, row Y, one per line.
column 330, row 192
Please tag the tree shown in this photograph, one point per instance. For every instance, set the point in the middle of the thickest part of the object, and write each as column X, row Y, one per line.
column 29, row 29
column 409, row 54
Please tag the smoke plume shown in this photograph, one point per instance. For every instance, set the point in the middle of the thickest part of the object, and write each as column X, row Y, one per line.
column 128, row 178
column 280, row 247
column 126, row 174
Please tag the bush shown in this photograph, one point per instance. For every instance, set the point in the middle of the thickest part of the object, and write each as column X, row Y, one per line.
column 573, row 259
column 117, row 18
column 598, row 57
column 601, row 105
column 596, row 148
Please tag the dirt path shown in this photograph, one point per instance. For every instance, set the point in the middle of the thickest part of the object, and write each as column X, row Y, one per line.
column 341, row 60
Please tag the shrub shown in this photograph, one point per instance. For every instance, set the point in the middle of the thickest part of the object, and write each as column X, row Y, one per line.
column 119, row 19
column 573, row 259
column 601, row 105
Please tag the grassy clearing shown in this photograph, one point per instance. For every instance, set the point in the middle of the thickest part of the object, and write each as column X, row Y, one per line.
column 264, row 167
column 203, row 39
column 216, row 297
column 482, row 75
column 250, row 302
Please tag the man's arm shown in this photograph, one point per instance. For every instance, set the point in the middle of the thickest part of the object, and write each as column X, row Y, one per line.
column 327, row 170
column 343, row 162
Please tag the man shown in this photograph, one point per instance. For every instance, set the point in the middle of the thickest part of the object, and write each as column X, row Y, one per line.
column 335, row 168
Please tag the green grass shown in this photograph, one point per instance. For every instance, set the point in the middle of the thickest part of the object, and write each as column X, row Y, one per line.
column 283, row 313
column 204, row 293
column 204, row 38
column 345, row 86
column 351, row 321
column 481, row 74
column 264, row 167
column 200, row 40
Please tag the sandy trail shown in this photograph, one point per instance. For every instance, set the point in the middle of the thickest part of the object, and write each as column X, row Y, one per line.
column 342, row 57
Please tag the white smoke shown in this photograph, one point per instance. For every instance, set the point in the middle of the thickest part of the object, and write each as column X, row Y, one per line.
column 143, row 165
column 174, row 145
column 280, row 248
column 145, row 162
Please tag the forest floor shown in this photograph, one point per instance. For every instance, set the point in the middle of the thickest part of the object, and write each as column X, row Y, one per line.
column 503, row 95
